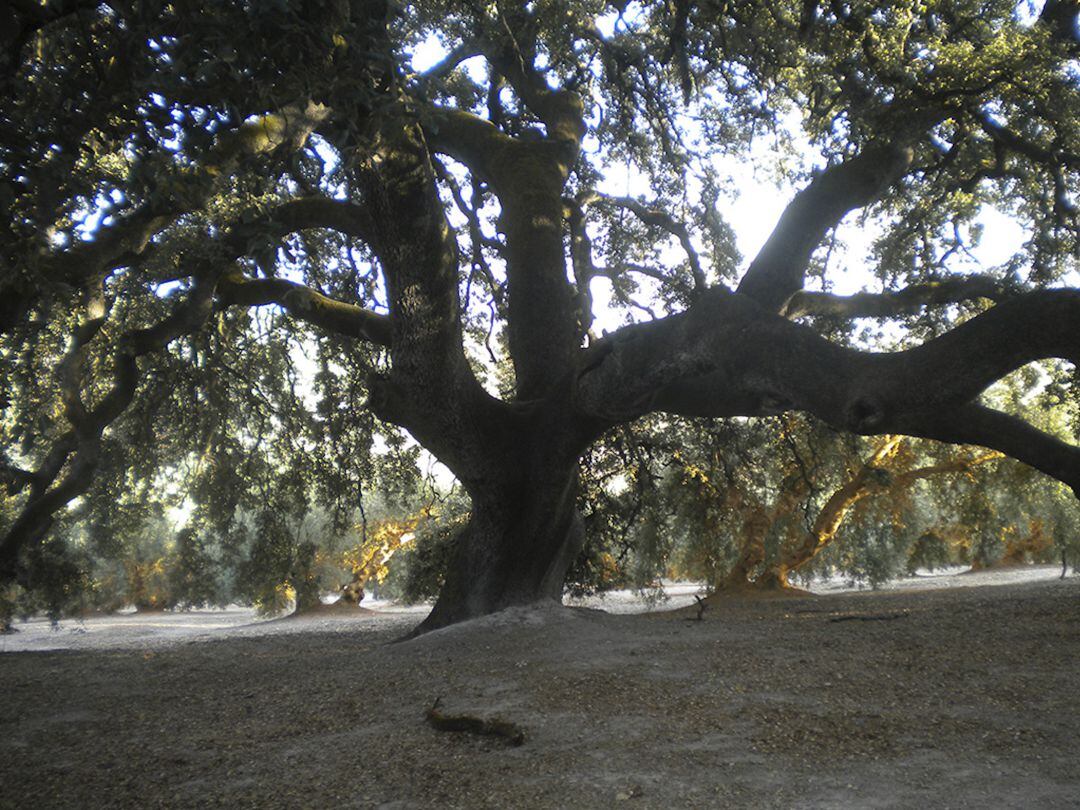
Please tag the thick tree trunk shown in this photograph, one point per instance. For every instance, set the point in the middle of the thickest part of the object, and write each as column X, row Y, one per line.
column 517, row 547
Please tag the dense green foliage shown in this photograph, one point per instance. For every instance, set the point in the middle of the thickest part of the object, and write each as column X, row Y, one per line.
column 199, row 300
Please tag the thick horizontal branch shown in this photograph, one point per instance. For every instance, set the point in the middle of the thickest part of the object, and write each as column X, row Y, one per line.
column 290, row 217
column 307, row 305
column 779, row 269
column 727, row 357
column 894, row 303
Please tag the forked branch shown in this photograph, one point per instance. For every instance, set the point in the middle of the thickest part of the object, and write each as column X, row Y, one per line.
column 726, row 357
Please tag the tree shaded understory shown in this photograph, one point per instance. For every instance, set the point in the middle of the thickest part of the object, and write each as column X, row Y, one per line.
column 245, row 246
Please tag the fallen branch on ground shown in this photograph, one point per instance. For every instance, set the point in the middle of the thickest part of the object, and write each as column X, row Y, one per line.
column 471, row 724
column 883, row 617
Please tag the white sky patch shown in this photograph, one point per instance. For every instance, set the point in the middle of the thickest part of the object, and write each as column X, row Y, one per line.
column 432, row 468
column 432, row 51
column 428, row 54
column 1002, row 237
column 327, row 154
column 179, row 516
column 615, row 22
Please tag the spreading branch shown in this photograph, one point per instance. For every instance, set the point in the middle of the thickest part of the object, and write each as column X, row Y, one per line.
column 892, row 304
column 870, row 480
column 86, row 265
column 306, row 304
column 658, row 218
column 726, row 357
column 125, row 241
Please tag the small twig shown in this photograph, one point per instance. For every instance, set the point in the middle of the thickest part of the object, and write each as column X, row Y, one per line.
column 702, row 606
column 471, row 724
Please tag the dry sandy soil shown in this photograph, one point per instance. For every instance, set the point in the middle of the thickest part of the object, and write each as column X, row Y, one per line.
column 953, row 697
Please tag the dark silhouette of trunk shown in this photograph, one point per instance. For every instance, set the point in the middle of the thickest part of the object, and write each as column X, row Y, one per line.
column 516, row 548
column 525, row 529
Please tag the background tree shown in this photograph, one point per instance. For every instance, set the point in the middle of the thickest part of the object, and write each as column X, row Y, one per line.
column 168, row 169
column 756, row 503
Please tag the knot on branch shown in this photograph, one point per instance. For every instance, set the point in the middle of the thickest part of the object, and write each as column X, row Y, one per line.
column 866, row 415
column 385, row 398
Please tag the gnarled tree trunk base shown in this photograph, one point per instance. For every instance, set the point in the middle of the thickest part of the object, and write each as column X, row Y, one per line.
column 515, row 550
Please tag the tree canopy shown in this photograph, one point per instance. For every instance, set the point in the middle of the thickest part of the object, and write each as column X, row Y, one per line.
column 245, row 243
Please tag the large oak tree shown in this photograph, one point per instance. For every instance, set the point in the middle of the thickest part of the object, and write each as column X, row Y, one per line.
column 169, row 167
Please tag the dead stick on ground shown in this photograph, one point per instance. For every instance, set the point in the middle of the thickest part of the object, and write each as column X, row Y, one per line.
column 470, row 724
column 880, row 618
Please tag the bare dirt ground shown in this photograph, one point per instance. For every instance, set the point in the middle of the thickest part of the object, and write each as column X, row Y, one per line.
column 954, row 697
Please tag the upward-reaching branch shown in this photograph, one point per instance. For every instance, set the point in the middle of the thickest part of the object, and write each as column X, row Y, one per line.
column 868, row 481
column 779, row 269
column 560, row 109
column 431, row 389
column 527, row 174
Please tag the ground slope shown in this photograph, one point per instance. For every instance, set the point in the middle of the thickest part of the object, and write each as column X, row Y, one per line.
column 952, row 698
